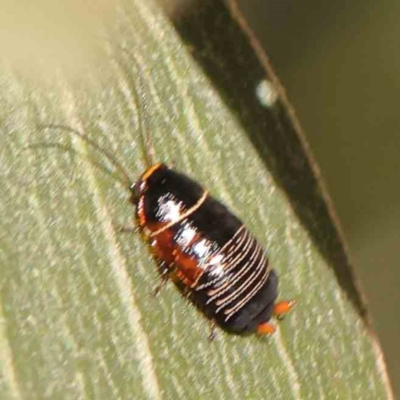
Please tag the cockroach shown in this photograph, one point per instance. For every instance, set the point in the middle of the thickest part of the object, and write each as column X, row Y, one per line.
column 200, row 245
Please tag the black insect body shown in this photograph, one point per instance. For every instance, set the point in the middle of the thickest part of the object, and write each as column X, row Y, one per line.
column 207, row 252
column 201, row 246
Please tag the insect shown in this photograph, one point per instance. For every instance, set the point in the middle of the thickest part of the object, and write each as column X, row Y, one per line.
column 201, row 246
column 206, row 251
column 196, row 241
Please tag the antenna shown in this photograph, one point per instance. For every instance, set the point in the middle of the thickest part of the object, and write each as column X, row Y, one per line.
column 140, row 98
column 68, row 149
column 117, row 165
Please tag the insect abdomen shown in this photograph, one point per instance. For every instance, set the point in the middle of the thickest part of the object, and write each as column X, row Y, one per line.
column 238, row 293
column 209, row 252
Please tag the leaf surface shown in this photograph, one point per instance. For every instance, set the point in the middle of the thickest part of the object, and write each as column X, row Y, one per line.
column 77, row 317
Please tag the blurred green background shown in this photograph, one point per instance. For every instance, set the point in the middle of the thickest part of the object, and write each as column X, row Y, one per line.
column 340, row 65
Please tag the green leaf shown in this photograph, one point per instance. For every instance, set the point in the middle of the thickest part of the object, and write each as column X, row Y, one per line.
column 77, row 319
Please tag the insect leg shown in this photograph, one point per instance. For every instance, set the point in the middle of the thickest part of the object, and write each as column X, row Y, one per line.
column 164, row 271
column 126, row 229
column 212, row 335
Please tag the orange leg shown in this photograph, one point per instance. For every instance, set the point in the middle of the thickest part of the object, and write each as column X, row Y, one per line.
column 282, row 308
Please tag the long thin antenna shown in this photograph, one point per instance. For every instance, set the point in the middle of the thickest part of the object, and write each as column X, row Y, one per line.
column 70, row 150
column 118, row 166
column 140, row 99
